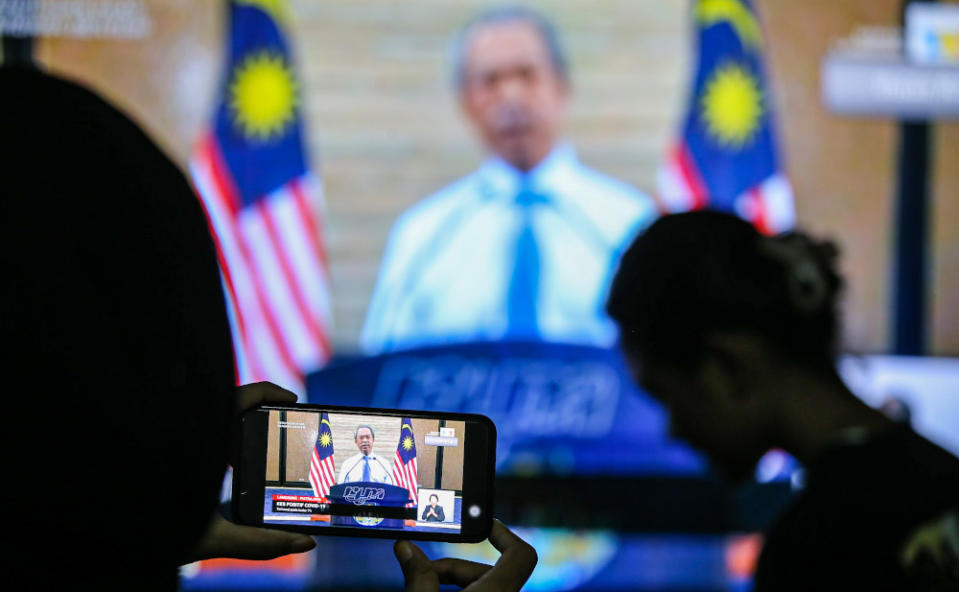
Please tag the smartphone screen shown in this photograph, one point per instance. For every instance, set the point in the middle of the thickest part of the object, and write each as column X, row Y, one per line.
column 366, row 472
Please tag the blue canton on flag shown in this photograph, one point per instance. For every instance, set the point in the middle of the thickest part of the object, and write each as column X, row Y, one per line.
column 258, row 119
column 264, row 205
column 727, row 156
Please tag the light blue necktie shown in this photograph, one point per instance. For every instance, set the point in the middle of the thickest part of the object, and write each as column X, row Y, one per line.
column 524, row 280
column 366, row 469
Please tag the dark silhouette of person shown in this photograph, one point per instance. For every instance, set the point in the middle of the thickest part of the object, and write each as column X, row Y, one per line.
column 119, row 373
column 119, row 379
column 737, row 334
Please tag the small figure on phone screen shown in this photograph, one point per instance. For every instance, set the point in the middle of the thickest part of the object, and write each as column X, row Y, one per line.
column 434, row 512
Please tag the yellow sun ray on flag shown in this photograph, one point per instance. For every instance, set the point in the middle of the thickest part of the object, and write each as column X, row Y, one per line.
column 407, row 443
column 279, row 10
column 263, row 96
column 325, row 439
column 734, row 12
column 732, row 105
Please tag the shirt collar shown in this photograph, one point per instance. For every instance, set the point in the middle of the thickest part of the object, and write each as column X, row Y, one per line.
column 500, row 179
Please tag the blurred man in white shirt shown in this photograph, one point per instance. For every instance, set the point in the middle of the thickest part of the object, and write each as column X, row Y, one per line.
column 523, row 248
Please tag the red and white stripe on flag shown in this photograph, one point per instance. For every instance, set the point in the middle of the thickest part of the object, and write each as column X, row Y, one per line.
column 322, row 474
column 404, row 475
column 274, row 272
column 768, row 206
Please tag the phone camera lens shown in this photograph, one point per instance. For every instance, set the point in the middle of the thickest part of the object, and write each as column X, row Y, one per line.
column 475, row 511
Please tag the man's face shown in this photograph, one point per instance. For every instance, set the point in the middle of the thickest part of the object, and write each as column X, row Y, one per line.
column 702, row 413
column 364, row 441
column 512, row 93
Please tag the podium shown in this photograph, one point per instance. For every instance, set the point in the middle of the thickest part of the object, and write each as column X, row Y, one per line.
column 550, row 402
column 362, row 493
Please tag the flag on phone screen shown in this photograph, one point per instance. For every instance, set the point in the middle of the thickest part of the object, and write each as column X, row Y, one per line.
column 322, row 467
column 404, row 463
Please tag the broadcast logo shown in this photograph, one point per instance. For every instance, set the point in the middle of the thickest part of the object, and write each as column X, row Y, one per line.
column 364, row 496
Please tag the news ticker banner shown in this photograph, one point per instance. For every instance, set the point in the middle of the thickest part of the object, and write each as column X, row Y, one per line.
column 558, row 409
column 98, row 19
column 364, row 504
column 886, row 72
column 299, row 504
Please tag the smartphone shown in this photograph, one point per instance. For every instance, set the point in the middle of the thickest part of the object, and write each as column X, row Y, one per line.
column 355, row 471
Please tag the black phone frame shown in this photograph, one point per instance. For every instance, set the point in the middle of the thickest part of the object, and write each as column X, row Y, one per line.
column 249, row 477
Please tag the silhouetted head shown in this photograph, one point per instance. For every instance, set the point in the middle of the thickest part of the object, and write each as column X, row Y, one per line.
column 119, row 377
column 707, row 308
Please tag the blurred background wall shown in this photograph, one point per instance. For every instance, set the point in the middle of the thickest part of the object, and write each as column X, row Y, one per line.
column 385, row 131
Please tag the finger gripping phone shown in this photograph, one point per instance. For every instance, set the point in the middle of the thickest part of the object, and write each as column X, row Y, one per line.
column 353, row 471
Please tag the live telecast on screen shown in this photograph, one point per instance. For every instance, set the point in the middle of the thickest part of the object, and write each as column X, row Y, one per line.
column 364, row 471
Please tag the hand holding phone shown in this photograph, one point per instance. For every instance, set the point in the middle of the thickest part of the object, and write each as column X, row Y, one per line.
column 509, row 574
column 226, row 539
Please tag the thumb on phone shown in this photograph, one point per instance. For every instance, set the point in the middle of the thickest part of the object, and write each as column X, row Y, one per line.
column 226, row 539
column 417, row 569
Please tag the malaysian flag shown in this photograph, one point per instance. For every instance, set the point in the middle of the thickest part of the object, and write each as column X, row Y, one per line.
column 322, row 468
column 404, row 463
column 264, row 206
column 726, row 158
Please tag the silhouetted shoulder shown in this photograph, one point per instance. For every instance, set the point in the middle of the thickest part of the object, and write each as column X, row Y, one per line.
column 846, row 530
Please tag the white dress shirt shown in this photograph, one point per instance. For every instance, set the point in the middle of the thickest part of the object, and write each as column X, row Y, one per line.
column 446, row 272
column 352, row 470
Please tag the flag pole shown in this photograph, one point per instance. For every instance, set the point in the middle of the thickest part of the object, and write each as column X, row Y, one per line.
column 17, row 50
column 438, row 470
column 910, row 271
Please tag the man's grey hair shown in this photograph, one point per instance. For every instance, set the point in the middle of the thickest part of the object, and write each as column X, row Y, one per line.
column 356, row 432
column 500, row 15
